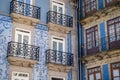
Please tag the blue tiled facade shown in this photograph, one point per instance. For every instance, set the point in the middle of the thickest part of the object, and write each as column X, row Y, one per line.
column 41, row 38
column 5, row 37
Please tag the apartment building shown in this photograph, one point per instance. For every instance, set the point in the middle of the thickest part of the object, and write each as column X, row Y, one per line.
column 38, row 40
column 99, row 39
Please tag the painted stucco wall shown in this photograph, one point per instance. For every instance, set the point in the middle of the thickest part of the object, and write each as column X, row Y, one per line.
column 41, row 40
column 5, row 6
column 5, row 37
column 45, row 7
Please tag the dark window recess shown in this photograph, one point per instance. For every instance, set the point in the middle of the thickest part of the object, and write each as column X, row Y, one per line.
column 92, row 41
column 57, row 79
column 113, row 28
column 115, row 71
column 110, row 2
column 94, row 73
column 89, row 6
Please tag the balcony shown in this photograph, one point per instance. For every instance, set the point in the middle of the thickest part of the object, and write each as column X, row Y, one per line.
column 105, row 47
column 22, row 54
column 59, row 60
column 98, row 14
column 105, row 43
column 23, row 10
column 57, row 20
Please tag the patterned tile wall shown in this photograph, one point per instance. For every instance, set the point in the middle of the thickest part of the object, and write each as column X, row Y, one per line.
column 41, row 40
column 5, row 37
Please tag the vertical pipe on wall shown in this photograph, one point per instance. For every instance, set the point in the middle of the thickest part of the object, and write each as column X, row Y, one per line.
column 79, row 37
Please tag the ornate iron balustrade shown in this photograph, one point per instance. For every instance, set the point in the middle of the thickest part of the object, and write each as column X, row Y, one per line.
column 102, row 44
column 23, row 50
column 113, row 3
column 59, row 19
column 24, row 9
column 58, row 57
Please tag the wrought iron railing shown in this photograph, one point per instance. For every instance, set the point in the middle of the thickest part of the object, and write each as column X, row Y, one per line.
column 108, row 5
column 59, row 19
column 102, row 44
column 24, row 9
column 23, row 50
column 58, row 57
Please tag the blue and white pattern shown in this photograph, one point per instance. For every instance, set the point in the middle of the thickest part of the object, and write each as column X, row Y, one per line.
column 69, row 52
column 41, row 40
column 70, row 75
column 5, row 37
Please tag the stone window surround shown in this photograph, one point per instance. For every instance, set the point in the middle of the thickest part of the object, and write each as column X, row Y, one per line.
column 94, row 73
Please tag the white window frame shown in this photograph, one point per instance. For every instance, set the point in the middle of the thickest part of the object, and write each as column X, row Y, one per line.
column 63, row 42
column 16, row 32
column 17, row 77
column 58, row 41
column 57, row 3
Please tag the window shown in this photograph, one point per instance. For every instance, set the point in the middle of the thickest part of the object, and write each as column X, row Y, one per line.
column 58, row 7
column 113, row 27
column 20, row 76
column 22, row 36
column 53, row 78
column 89, row 6
column 22, row 41
column 24, row 8
column 58, row 11
column 58, row 45
column 115, row 68
column 92, row 39
column 94, row 73
column 109, row 2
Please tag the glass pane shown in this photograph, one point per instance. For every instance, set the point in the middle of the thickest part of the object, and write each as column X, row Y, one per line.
column 91, row 77
column 112, row 33
column 55, row 8
column 26, row 39
column 109, row 1
column 116, row 78
column 19, row 38
column 116, row 72
column 61, row 10
column 54, row 45
column 89, row 41
column 98, row 76
column 60, row 47
column 118, row 31
column 96, row 38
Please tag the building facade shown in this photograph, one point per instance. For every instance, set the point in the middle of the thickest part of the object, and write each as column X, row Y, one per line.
column 38, row 40
column 99, row 39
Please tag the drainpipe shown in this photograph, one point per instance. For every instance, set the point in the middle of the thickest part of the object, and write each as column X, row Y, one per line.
column 79, row 34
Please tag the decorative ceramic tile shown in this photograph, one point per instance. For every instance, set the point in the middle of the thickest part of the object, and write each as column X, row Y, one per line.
column 41, row 40
column 5, row 37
